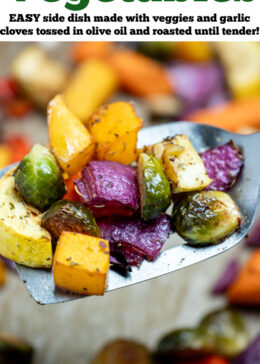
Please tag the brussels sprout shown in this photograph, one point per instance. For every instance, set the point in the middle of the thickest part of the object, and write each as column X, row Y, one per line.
column 227, row 329
column 154, row 188
column 123, row 352
column 205, row 217
column 68, row 215
column 38, row 178
column 14, row 350
column 185, row 344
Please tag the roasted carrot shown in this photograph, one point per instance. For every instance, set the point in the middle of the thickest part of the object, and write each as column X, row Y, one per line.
column 71, row 193
column 19, row 147
column 246, row 288
column 82, row 51
column 232, row 116
column 139, row 74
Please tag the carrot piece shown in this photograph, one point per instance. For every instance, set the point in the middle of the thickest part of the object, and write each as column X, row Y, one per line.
column 70, row 140
column 18, row 108
column 83, row 51
column 81, row 263
column 246, row 288
column 71, row 192
column 114, row 129
column 2, row 273
column 232, row 116
column 139, row 74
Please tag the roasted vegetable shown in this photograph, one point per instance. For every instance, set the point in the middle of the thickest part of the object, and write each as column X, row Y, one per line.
column 193, row 51
column 223, row 164
column 245, row 290
column 108, row 188
column 81, row 264
column 154, row 187
column 146, row 239
column 123, row 352
column 205, row 217
column 139, row 74
column 2, row 273
column 5, row 155
column 38, row 178
column 91, row 85
column 182, row 164
column 14, row 350
column 39, row 76
column 22, row 238
column 198, row 85
column 114, row 129
column 159, row 50
column 70, row 187
column 70, row 141
column 68, row 215
column 251, row 355
column 228, row 276
column 232, row 116
column 242, row 67
column 185, row 344
column 82, row 51
column 227, row 330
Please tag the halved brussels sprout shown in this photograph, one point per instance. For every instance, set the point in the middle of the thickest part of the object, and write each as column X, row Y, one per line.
column 227, row 329
column 184, row 344
column 123, row 352
column 68, row 215
column 38, row 178
column 154, row 187
column 205, row 217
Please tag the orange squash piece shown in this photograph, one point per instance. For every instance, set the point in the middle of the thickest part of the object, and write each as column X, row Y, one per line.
column 139, row 74
column 2, row 273
column 193, row 51
column 90, row 87
column 5, row 155
column 246, row 288
column 69, row 139
column 81, row 264
column 114, row 129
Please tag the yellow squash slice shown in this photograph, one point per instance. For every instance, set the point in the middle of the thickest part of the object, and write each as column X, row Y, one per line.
column 22, row 238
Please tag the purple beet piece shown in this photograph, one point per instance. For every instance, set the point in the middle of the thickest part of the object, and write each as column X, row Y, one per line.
column 223, row 164
column 132, row 258
column 198, row 85
column 109, row 188
column 254, row 236
column 227, row 278
column 251, row 355
column 143, row 238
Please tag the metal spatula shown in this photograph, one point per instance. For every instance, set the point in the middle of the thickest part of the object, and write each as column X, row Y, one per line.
column 40, row 283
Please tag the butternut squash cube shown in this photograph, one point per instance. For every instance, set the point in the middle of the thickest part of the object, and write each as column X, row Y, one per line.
column 81, row 264
column 70, row 140
column 91, row 86
column 5, row 155
column 114, row 128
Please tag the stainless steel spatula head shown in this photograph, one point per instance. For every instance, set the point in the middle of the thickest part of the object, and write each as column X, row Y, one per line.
column 245, row 193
